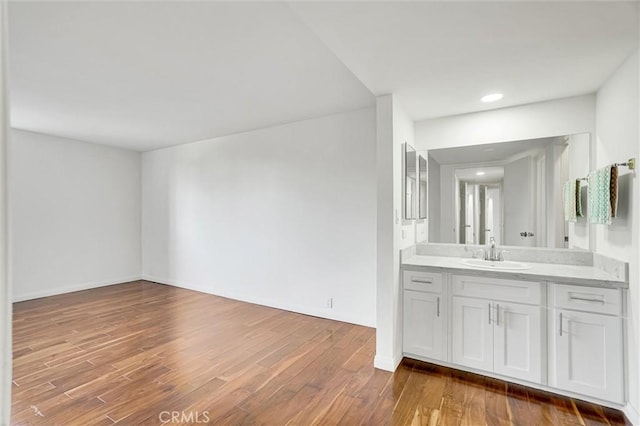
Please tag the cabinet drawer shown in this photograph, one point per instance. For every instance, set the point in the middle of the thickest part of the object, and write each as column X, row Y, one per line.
column 422, row 281
column 588, row 299
column 497, row 289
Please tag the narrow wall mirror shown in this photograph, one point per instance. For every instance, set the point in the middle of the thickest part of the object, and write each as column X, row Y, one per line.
column 410, row 182
column 422, row 187
column 512, row 191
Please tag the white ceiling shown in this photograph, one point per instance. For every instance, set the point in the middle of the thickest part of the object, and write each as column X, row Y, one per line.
column 144, row 75
column 151, row 74
column 439, row 58
column 491, row 174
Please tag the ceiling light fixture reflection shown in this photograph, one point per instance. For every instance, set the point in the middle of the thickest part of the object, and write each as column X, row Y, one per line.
column 492, row 97
column 479, row 173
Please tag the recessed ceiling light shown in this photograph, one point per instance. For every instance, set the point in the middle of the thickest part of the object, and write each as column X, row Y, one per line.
column 479, row 173
column 489, row 149
column 492, row 97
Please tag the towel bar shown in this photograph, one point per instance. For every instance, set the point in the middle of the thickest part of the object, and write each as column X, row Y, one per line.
column 631, row 164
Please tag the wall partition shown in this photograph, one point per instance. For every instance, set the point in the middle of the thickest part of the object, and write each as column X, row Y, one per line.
column 5, row 290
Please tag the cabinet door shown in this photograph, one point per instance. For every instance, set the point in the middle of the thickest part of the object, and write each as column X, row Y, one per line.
column 472, row 333
column 588, row 356
column 424, row 324
column 517, row 336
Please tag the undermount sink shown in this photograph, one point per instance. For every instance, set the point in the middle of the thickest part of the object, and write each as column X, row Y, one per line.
column 505, row 265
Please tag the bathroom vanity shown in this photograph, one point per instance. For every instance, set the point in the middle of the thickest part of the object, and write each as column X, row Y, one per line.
column 556, row 327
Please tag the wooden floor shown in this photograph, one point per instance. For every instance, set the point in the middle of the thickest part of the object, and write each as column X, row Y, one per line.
column 134, row 353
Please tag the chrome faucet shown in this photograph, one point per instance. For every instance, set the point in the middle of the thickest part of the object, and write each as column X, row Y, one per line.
column 492, row 249
column 490, row 253
column 493, row 254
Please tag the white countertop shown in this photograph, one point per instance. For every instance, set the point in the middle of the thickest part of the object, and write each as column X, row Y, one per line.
column 566, row 274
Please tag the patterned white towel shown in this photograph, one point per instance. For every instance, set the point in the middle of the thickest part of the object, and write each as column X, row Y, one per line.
column 599, row 194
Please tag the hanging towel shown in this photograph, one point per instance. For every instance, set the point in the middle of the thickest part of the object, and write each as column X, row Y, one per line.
column 614, row 190
column 599, row 194
column 579, row 212
column 570, row 201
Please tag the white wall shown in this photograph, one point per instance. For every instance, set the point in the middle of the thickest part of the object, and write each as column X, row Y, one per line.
column 5, row 278
column 543, row 119
column 388, row 219
column 394, row 128
column 617, row 139
column 75, row 211
column 284, row 216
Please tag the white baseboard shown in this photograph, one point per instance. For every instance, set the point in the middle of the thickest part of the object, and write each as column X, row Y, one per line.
column 386, row 363
column 632, row 414
column 327, row 313
column 72, row 288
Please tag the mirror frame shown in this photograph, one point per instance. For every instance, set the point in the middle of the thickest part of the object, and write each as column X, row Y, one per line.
column 408, row 215
column 423, row 188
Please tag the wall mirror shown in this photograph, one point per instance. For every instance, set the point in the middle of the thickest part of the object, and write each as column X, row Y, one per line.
column 410, row 190
column 511, row 191
column 422, row 187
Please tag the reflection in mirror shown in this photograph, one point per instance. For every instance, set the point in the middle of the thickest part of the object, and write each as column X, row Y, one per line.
column 511, row 191
column 480, row 203
column 410, row 178
column 422, row 185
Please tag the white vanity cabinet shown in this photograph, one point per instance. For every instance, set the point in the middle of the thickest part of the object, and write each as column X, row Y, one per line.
column 567, row 338
column 424, row 312
column 497, row 326
column 586, row 344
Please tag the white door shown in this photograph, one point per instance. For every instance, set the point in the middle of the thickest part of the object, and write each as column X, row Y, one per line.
column 518, row 341
column 472, row 333
column 469, row 214
column 587, row 358
column 493, row 214
column 423, row 324
column 518, row 204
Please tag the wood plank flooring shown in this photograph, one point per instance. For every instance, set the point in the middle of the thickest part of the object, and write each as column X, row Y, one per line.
column 136, row 352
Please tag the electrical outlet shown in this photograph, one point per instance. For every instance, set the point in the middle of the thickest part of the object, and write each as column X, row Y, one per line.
column 329, row 303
